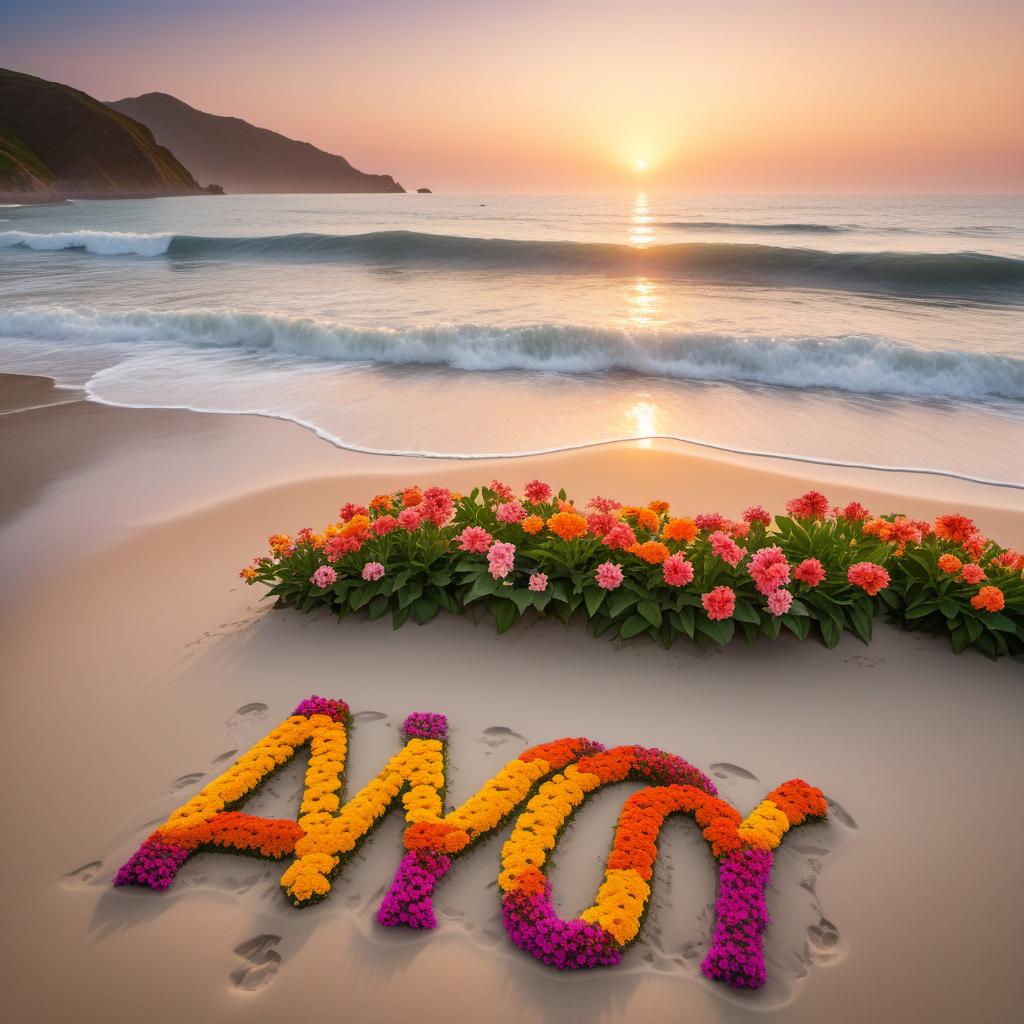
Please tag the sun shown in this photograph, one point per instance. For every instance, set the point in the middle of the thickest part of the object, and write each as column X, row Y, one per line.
column 641, row 164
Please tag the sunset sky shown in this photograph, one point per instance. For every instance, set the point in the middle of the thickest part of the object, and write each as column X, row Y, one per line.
column 464, row 95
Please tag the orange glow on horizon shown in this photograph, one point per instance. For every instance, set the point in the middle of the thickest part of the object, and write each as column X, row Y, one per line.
column 584, row 96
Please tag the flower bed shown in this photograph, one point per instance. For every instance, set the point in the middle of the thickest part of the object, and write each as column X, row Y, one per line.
column 632, row 570
column 544, row 786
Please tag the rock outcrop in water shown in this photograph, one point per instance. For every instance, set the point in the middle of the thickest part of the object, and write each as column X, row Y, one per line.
column 57, row 142
column 244, row 158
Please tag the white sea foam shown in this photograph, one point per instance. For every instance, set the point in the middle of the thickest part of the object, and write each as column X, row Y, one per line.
column 99, row 243
column 860, row 364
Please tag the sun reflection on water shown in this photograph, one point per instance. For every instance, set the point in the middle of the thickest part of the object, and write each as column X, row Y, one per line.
column 644, row 417
column 641, row 233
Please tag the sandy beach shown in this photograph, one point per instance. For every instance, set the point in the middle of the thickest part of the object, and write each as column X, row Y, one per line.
column 137, row 665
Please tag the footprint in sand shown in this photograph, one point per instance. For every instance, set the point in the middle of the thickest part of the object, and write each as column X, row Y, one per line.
column 843, row 816
column 499, row 735
column 262, row 962
column 822, row 940
column 724, row 770
column 862, row 661
column 368, row 716
column 83, row 875
column 186, row 780
column 247, row 714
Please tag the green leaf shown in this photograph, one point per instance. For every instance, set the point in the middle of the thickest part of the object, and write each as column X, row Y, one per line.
column 411, row 593
column 720, row 630
column 949, row 608
column 959, row 639
column 746, row 612
column 424, row 609
column 831, row 631
column 378, row 606
column 484, row 586
column 973, row 626
column 798, row 625
column 998, row 621
column 633, row 626
column 593, row 598
column 861, row 619
column 651, row 611
column 505, row 616
column 619, row 601
column 522, row 598
column 399, row 617
column 683, row 620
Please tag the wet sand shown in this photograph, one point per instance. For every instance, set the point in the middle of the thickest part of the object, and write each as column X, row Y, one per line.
column 136, row 664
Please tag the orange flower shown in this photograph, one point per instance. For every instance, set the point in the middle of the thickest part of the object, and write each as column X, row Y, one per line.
column 568, row 525
column 382, row 503
column 532, row 524
column 682, row 530
column 647, row 520
column 658, row 506
column 990, row 599
column 875, row 527
column 280, row 543
column 435, row 835
column 955, row 528
column 950, row 564
column 558, row 753
column 411, row 496
column 248, row 573
column 653, row 552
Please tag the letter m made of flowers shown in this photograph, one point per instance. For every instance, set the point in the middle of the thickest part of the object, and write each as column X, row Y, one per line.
column 545, row 785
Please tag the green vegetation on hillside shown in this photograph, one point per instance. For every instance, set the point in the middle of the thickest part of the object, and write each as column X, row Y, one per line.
column 56, row 139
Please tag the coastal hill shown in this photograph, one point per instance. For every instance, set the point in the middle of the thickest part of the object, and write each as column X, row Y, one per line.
column 57, row 142
column 244, row 158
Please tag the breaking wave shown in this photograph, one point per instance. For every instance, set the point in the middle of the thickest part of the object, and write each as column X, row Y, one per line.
column 953, row 275
column 859, row 364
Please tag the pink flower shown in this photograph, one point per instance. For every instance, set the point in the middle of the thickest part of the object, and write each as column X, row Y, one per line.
column 779, row 601
column 620, row 537
column 726, row 548
column 609, row 576
column 757, row 514
column 810, row 571
column 384, row 524
column 972, row 573
column 677, row 571
column 500, row 559
column 710, row 521
column 437, row 505
column 600, row 504
column 812, row 505
column 769, row 569
column 325, row 576
column 373, row 571
column 720, row 603
column 409, row 519
column 868, row 576
column 510, row 512
column 538, row 581
column 337, row 547
column 475, row 539
column 502, row 490
column 348, row 510
column 600, row 523
column 538, row 492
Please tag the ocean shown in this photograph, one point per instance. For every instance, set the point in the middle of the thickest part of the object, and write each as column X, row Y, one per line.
column 882, row 332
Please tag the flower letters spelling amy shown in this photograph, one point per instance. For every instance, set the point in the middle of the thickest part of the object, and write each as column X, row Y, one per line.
column 544, row 786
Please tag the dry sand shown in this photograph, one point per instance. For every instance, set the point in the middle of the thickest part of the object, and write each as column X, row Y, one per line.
column 135, row 665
